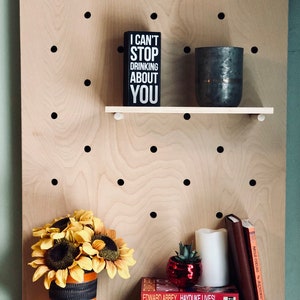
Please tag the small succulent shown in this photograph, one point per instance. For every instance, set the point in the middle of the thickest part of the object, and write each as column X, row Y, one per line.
column 186, row 254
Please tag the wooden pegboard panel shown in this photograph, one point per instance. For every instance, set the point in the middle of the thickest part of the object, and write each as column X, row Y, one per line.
column 154, row 178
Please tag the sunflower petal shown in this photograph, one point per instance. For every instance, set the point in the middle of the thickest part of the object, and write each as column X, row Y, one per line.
column 98, row 244
column 37, row 245
column 83, row 215
column 48, row 279
column 84, row 235
column 111, row 269
column 124, row 251
column 98, row 224
column 58, row 235
column 43, row 231
column 74, row 225
column 38, row 253
column 120, row 243
column 46, row 243
column 78, row 213
column 37, row 262
column 119, row 263
column 130, row 261
column 77, row 274
column 61, row 277
column 124, row 272
column 88, row 249
column 98, row 264
column 39, row 232
column 85, row 263
column 126, row 255
column 111, row 233
column 40, row 271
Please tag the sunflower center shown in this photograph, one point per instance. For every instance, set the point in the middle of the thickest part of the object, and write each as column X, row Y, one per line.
column 110, row 251
column 61, row 255
column 61, row 224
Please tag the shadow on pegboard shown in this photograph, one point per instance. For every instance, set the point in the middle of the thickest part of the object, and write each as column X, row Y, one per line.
column 111, row 92
column 135, row 292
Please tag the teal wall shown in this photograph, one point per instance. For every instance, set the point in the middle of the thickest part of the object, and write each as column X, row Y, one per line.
column 10, row 154
column 293, row 156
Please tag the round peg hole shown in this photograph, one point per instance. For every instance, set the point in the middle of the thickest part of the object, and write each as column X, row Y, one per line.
column 54, row 181
column 87, row 14
column 53, row 49
column 120, row 182
column 153, row 149
column 153, row 214
column 153, row 16
column 219, row 215
column 254, row 49
column 54, row 115
column 187, row 49
column 186, row 116
column 186, row 182
column 220, row 149
column 87, row 82
column 252, row 182
column 120, row 49
column 87, row 148
column 221, row 16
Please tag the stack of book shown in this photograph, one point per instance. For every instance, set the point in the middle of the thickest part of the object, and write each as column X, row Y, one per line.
column 246, row 270
column 162, row 289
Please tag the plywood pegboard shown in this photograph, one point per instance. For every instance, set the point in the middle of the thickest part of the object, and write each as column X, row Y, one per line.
column 154, row 178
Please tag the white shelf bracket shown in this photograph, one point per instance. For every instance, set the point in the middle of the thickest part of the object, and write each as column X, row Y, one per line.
column 259, row 117
column 118, row 116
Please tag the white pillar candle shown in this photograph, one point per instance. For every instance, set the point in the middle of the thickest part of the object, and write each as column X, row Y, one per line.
column 213, row 250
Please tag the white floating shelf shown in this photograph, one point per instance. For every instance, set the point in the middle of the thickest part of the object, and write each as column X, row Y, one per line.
column 120, row 110
column 192, row 110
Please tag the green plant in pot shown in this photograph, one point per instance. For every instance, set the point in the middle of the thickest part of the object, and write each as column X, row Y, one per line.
column 184, row 268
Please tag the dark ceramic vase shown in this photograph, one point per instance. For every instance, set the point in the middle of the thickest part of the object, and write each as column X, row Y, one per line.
column 219, row 76
column 86, row 290
column 183, row 275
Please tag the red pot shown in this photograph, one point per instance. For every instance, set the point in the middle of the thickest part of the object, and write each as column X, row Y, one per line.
column 183, row 275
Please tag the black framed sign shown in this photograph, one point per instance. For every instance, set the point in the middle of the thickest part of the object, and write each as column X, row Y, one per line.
column 142, row 68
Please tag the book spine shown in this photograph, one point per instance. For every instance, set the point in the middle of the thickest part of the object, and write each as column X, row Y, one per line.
column 239, row 254
column 188, row 296
column 142, row 68
column 255, row 262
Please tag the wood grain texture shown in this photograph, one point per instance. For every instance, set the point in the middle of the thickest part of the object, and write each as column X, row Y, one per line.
column 186, row 149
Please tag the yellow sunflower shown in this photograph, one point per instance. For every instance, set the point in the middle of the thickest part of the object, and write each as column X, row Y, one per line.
column 57, row 225
column 108, row 252
column 59, row 261
column 86, row 217
column 73, row 245
column 58, row 229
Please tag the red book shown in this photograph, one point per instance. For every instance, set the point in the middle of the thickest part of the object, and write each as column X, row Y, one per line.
column 162, row 289
column 239, row 255
column 250, row 236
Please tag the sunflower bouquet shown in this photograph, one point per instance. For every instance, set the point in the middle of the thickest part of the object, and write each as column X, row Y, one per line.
column 74, row 245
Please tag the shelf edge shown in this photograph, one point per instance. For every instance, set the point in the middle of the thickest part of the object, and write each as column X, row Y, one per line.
column 194, row 110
